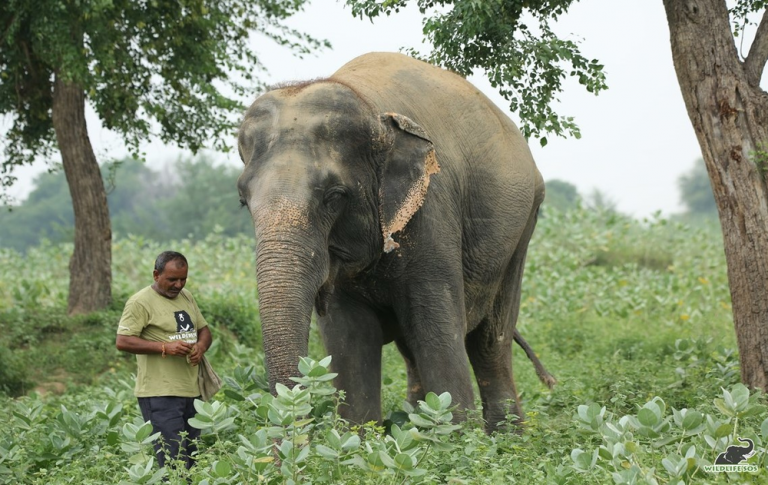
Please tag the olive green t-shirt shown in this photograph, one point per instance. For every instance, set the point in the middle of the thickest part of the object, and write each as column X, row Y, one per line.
column 151, row 316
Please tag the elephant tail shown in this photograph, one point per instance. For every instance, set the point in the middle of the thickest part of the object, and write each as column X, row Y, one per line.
column 544, row 376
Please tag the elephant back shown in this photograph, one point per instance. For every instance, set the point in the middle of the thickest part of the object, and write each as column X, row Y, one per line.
column 461, row 121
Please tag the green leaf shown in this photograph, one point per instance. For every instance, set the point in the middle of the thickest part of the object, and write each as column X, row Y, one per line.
column 433, row 401
column 445, row 400
column 722, row 406
column 221, row 469
column 740, row 395
column 724, row 430
column 304, row 366
column 692, row 420
column 351, row 442
column 234, row 395
column 404, row 461
column 200, row 424
column 420, row 421
column 326, row 452
column 647, row 417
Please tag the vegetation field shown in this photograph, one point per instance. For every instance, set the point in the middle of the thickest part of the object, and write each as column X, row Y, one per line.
column 632, row 317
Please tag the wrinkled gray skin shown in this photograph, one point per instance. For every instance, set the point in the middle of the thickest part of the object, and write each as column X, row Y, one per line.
column 335, row 167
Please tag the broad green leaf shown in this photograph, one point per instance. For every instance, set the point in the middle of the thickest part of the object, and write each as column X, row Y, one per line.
column 326, row 452
column 647, row 417
column 445, row 400
column 221, row 469
column 433, row 401
column 692, row 420
column 200, row 424
column 420, row 421
column 403, row 461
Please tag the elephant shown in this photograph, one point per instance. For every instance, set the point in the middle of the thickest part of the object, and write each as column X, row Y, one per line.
column 397, row 201
column 733, row 455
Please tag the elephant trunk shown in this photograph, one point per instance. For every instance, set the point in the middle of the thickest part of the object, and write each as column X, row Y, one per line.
column 289, row 274
column 746, row 450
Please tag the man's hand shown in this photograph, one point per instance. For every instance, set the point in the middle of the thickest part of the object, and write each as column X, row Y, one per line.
column 178, row 347
column 204, row 339
column 196, row 355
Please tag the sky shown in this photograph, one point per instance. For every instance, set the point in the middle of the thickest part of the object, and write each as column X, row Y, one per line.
column 636, row 136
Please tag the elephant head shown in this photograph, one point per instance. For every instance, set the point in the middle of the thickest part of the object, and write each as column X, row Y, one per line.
column 734, row 455
column 328, row 181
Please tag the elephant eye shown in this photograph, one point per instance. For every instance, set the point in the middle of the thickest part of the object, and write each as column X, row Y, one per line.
column 242, row 202
column 334, row 194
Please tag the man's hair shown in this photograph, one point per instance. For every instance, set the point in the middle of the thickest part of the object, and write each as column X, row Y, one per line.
column 166, row 257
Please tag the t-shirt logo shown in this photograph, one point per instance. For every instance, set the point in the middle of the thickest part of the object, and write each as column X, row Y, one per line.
column 183, row 321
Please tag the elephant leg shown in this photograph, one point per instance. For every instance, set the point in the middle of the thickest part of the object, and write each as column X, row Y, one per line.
column 433, row 326
column 352, row 335
column 415, row 387
column 490, row 351
column 489, row 346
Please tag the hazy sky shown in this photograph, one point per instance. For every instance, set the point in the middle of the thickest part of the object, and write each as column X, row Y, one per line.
column 636, row 136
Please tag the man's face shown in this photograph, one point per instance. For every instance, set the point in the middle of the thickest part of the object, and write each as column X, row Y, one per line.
column 173, row 278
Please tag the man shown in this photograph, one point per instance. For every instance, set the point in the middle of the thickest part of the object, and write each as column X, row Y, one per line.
column 163, row 326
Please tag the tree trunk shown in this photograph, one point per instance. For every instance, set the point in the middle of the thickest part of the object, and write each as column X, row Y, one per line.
column 728, row 111
column 90, row 269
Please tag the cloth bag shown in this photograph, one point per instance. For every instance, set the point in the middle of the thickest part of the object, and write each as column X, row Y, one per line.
column 207, row 379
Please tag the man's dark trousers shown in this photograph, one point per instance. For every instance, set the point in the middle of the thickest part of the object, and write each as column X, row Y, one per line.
column 169, row 415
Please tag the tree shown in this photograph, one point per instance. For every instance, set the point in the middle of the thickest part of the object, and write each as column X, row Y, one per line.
column 169, row 69
column 561, row 195
column 204, row 198
column 729, row 113
column 727, row 108
column 696, row 191
column 189, row 198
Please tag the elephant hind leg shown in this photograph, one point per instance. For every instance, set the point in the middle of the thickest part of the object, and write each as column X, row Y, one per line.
column 489, row 346
column 490, row 353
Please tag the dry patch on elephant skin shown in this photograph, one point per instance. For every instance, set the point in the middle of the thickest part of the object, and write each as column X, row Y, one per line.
column 413, row 201
column 282, row 214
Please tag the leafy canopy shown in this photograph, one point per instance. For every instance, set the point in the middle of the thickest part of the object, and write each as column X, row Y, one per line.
column 512, row 43
column 173, row 69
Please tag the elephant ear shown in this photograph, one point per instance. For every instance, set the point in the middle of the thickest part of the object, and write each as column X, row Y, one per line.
column 410, row 161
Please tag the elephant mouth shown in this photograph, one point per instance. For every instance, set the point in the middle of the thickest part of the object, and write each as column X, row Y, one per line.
column 340, row 253
column 323, row 297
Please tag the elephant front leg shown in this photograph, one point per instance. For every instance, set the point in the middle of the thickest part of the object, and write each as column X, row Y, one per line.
column 415, row 387
column 433, row 332
column 352, row 335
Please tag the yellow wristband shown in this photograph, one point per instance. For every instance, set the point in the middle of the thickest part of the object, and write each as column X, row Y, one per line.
column 163, row 350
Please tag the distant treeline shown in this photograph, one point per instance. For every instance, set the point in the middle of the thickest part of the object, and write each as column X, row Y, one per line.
column 188, row 198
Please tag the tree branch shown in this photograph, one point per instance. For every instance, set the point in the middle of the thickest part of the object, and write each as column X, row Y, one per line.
column 758, row 53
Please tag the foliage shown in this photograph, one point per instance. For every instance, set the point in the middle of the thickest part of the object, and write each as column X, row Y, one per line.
column 192, row 192
column 561, row 195
column 696, row 191
column 174, row 70
column 641, row 305
column 652, row 446
column 514, row 46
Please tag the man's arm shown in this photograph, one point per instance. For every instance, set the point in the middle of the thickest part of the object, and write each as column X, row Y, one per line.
column 137, row 345
column 204, row 339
